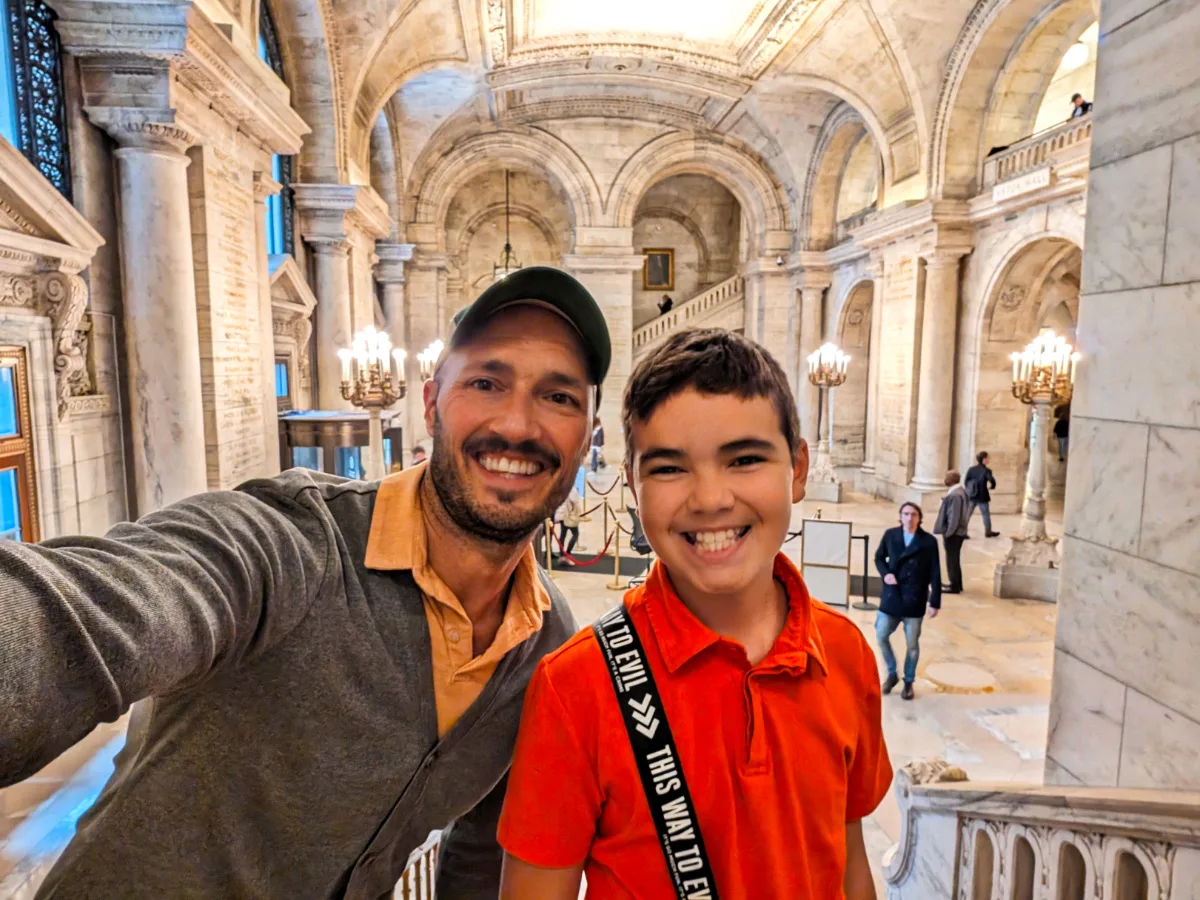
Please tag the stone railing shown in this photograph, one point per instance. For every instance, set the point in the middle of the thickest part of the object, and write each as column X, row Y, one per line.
column 1003, row 842
column 689, row 313
column 418, row 879
column 1069, row 142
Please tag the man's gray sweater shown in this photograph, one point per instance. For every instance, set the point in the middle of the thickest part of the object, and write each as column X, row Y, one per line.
column 291, row 749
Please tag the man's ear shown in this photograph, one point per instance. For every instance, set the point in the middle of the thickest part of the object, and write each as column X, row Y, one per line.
column 800, row 472
column 429, row 395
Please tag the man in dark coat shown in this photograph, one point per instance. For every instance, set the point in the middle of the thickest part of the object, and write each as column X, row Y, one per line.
column 911, row 567
column 979, row 479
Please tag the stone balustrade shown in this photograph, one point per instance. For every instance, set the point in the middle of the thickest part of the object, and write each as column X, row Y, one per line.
column 963, row 841
column 417, row 881
column 1055, row 148
column 846, row 227
column 689, row 314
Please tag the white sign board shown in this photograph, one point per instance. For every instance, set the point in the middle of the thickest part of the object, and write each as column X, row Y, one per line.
column 825, row 560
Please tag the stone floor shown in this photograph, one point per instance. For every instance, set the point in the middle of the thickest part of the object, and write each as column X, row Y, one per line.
column 982, row 694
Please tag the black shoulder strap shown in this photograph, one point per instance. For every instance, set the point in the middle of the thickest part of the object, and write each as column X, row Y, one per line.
column 657, row 757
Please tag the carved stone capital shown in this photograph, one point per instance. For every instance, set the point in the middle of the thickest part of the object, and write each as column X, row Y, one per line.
column 265, row 186
column 134, row 132
column 324, row 245
column 392, row 259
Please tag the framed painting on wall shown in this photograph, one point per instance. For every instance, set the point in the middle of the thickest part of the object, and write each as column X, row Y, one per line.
column 658, row 272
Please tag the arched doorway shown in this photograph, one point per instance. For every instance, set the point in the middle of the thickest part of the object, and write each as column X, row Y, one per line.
column 1038, row 288
column 851, row 399
column 692, row 227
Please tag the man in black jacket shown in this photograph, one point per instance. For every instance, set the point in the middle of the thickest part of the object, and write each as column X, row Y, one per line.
column 979, row 479
column 908, row 560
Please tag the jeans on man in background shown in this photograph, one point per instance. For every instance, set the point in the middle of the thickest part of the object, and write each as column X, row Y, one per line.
column 564, row 530
column 954, row 544
column 1063, row 442
column 987, row 515
column 885, row 625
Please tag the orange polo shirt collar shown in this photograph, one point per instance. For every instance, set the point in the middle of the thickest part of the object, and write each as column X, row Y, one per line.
column 681, row 636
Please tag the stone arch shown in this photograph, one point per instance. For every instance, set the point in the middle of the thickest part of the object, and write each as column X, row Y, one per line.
column 737, row 168
column 531, row 150
column 689, row 224
column 311, row 58
column 840, row 132
column 1005, row 318
column 851, row 412
column 993, row 31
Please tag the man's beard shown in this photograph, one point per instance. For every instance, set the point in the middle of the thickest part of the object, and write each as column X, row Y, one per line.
column 507, row 525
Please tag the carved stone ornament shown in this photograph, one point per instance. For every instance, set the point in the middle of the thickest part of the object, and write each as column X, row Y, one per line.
column 63, row 298
column 497, row 27
column 1013, row 296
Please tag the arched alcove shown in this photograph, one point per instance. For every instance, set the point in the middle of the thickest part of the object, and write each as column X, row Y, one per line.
column 851, row 399
column 1072, row 873
column 983, row 866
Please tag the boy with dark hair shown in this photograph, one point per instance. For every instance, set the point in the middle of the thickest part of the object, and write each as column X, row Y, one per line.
column 719, row 733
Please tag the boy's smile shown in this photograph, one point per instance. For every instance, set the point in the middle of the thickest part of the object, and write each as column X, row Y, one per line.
column 715, row 483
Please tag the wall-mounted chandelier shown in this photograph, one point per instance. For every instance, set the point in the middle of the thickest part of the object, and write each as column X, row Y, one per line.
column 508, row 260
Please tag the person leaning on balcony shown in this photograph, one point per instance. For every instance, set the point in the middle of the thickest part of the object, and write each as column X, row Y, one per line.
column 1080, row 107
column 337, row 668
column 665, row 304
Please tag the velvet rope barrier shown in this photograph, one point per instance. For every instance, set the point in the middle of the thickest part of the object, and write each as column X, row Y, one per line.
column 603, row 493
column 575, row 560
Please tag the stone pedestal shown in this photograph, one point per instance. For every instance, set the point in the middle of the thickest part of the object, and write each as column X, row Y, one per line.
column 823, row 481
column 936, row 384
column 608, row 276
column 166, row 411
column 1031, row 568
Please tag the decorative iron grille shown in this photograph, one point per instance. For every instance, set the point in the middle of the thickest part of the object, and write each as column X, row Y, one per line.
column 38, row 86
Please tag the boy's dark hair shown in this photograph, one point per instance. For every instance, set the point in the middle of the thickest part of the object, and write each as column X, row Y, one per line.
column 981, row 456
column 711, row 361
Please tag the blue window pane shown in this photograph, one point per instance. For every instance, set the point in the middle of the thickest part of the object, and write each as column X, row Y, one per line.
column 349, row 463
column 307, row 458
column 387, row 454
column 262, row 50
column 8, row 87
column 281, row 380
column 8, row 401
column 10, row 506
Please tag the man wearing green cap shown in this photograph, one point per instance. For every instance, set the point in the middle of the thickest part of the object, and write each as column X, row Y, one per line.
column 334, row 668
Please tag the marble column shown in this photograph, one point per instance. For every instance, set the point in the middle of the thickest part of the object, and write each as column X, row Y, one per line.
column 608, row 276
column 166, row 411
column 264, row 187
column 873, row 365
column 935, row 387
column 335, row 329
column 425, row 277
column 812, row 294
column 390, row 274
column 776, row 316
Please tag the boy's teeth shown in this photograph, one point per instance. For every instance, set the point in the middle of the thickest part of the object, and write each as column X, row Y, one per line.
column 715, row 541
column 505, row 465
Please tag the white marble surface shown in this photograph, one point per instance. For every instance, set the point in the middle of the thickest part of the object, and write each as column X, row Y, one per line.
column 1147, row 82
column 1104, row 491
column 1089, row 703
column 1183, row 224
column 1171, row 514
column 1127, row 251
column 1134, row 619
column 1160, row 745
column 1131, row 339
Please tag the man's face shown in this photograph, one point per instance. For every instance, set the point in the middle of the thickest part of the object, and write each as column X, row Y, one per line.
column 509, row 413
column 1078, row 101
column 715, row 483
column 910, row 519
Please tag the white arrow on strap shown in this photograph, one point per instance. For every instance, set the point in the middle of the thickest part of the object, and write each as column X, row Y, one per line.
column 643, row 706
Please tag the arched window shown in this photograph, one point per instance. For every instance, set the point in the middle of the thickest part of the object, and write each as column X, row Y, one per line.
column 32, row 113
column 281, row 237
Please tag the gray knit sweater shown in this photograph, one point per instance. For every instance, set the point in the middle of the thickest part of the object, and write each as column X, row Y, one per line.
column 291, row 749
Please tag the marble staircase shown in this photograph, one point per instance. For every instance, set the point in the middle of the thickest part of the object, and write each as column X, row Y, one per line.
column 965, row 841
column 720, row 306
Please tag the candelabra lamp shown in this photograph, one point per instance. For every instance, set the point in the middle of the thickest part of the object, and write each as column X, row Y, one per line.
column 373, row 379
column 827, row 368
column 1043, row 377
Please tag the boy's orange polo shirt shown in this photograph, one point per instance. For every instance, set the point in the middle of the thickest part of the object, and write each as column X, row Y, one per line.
column 778, row 757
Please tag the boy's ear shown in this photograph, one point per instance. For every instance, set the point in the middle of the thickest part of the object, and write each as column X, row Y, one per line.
column 800, row 472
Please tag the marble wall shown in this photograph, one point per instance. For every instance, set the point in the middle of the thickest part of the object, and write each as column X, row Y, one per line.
column 1125, row 708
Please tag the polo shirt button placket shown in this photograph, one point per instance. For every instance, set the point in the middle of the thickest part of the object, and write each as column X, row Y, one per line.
column 756, row 751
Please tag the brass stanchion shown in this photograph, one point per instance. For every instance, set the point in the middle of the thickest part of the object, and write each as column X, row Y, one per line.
column 616, row 584
column 549, row 537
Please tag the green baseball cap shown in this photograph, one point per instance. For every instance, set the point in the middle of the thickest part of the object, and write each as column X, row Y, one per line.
column 553, row 288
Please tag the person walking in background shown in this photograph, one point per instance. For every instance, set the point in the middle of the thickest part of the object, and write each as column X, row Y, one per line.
column 568, row 516
column 909, row 562
column 951, row 524
column 665, row 304
column 977, row 483
column 1062, row 430
column 597, row 444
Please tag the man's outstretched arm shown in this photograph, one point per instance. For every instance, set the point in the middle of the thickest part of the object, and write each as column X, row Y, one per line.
column 88, row 626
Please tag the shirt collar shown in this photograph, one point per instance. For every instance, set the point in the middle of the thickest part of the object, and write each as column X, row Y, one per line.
column 680, row 636
column 397, row 542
